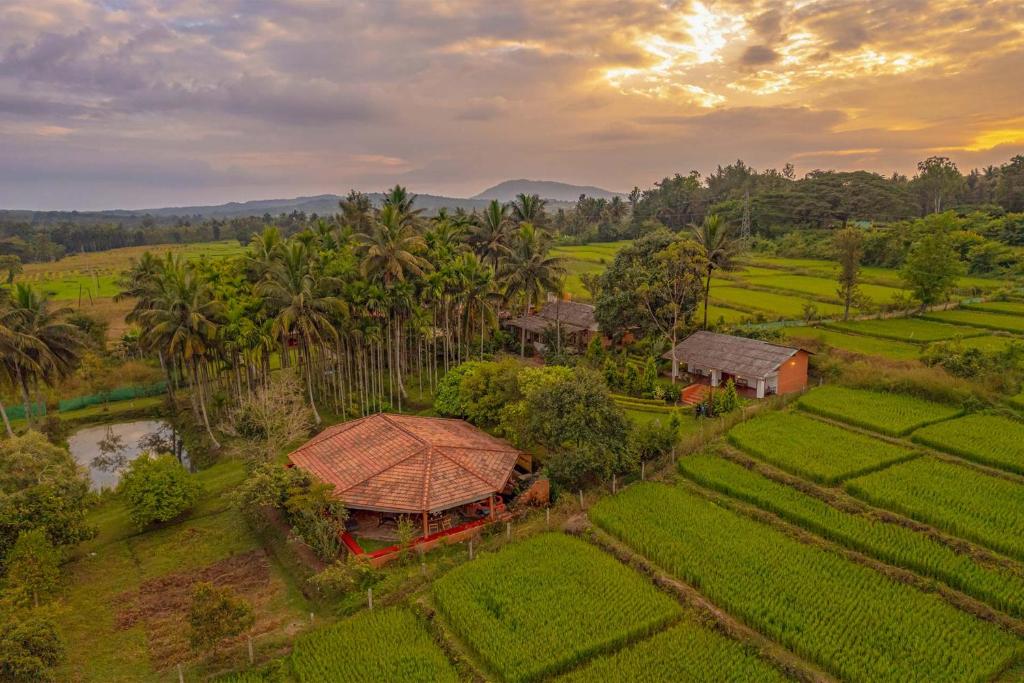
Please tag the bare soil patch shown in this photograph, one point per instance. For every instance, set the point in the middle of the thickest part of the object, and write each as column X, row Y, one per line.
column 161, row 605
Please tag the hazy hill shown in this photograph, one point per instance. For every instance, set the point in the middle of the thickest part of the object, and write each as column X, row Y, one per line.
column 560, row 195
column 546, row 189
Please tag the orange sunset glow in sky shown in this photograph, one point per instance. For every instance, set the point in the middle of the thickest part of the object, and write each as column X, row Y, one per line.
column 125, row 103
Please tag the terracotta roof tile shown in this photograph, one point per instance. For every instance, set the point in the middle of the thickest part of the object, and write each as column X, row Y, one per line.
column 404, row 463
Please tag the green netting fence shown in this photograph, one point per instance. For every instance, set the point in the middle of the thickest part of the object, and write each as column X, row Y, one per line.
column 118, row 394
column 17, row 412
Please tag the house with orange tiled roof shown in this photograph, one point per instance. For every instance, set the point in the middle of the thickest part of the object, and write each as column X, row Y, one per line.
column 445, row 473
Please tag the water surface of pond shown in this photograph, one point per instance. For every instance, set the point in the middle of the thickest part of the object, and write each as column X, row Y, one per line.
column 132, row 437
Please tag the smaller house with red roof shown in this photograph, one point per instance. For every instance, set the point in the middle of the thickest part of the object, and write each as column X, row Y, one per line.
column 444, row 473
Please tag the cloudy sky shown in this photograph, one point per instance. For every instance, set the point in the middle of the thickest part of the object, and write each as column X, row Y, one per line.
column 134, row 103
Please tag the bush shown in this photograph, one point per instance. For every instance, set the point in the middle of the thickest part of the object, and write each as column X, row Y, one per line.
column 216, row 614
column 448, row 398
column 30, row 643
column 33, row 564
column 649, row 440
column 157, row 489
column 40, row 488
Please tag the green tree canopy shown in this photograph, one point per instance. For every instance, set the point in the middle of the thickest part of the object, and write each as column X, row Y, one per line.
column 40, row 488
column 157, row 489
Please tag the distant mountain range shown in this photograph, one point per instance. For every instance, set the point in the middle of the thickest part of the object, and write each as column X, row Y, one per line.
column 545, row 189
column 559, row 195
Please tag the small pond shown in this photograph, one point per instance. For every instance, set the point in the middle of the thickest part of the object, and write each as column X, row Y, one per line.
column 106, row 449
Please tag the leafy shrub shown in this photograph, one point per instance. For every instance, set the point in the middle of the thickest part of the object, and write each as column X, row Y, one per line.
column 216, row 614
column 40, row 488
column 157, row 489
column 448, row 397
column 30, row 643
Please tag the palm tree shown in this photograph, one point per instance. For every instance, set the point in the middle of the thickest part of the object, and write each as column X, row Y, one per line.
column 529, row 208
column 44, row 347
column 400, row 199
column 529, row 272
column 296, row 294
column 181, row 323
column 493, row 233
column 718, row 248
column 391, row 249
column 480, row 293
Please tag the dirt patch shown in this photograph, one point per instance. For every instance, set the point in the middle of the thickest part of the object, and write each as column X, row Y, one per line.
column 161, row 604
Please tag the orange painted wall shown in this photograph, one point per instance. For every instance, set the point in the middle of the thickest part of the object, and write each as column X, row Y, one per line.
column 793, row 373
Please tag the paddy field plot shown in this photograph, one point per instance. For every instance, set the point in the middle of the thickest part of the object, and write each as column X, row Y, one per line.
column 958, row 499
column 913, row 330
column 856, row 343
column 998, row 585
column 814, row 449
column 779, row 305
column 888, row 413
column 986, row 439
column 383, row 645
column 849, row 619
column 982, row 319
column 546, row 604
column 1008, row 307
column 822, row 287
column 688, row 651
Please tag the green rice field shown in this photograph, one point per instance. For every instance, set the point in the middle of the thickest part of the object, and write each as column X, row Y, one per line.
column 1008, row 307
column 94, row 274
column 892, row 414
column 991, row 321
column 855, row 622
column 814, row 449
column 905, row 329
column 962, row 501
column 688, row 651
column 780, row 305
column 541, row 606
column 589, row 259
column 987, row 439
column 998, row 585
column 822, row 287
column 383, row 645
column 856, row 343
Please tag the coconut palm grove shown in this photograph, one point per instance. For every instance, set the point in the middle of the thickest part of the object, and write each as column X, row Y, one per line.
column 302, row 380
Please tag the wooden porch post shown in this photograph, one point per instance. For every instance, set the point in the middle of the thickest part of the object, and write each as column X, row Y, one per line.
column 426, row 526
column 493, row 516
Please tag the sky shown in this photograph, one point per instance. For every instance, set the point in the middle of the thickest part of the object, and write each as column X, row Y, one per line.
column 146, row 103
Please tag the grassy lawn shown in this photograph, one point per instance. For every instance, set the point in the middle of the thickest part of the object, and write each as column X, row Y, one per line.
column 106, row 639
column 856, row 343
column 781, row 305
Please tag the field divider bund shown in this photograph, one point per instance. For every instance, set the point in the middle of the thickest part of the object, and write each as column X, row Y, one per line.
column 844, row 502
column 921, row 448
column 953, row 597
